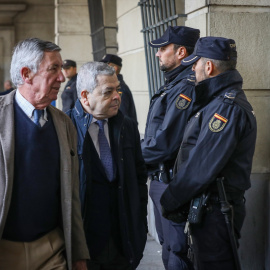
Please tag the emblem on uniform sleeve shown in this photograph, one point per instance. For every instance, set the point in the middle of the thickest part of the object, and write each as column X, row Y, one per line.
column 182, row 102
column 217, row 123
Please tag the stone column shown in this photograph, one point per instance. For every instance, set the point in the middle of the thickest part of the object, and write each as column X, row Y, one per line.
column 7, row 37
column 247, row 22
column 72, row 33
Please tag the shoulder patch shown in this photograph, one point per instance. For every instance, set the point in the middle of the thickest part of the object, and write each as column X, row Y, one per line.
column 182, row 102
column 217, row 123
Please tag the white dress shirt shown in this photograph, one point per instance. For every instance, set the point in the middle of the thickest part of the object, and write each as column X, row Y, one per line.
column 28, row 108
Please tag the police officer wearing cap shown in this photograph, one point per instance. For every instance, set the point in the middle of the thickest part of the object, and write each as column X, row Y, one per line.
column 169, row 110
column 69, row 95
column 127, row 106
column 218, row 142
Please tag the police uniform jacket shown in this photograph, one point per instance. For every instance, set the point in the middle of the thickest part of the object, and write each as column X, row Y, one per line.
column 219, row 141
column 69, row 95
column 130, row 185
column 127, row 106
column 169, row 110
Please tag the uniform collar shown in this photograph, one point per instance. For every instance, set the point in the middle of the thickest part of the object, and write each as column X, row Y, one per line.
column 215, row 86
column 171, row 75
column 120, row 77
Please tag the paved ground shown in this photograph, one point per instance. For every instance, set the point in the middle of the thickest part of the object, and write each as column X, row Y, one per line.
column 152, row 256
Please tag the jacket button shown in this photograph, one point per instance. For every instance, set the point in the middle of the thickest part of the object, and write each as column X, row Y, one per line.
column 85, row 125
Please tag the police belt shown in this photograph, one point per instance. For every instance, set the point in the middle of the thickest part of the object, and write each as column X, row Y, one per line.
column 233, row 197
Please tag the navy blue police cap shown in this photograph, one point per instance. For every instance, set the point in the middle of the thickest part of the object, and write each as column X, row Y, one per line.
column 180, row 35
column 112, row 58
column 69, row 63
column 217, row 48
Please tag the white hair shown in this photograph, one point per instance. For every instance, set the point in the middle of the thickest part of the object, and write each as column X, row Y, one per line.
column 87, row 75
column 29, row 53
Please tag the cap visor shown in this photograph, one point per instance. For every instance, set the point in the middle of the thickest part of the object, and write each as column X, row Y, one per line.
column 190, row 60
column 158, row 43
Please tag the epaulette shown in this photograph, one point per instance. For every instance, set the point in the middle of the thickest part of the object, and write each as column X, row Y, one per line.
column 229, row 97
column 191, row 78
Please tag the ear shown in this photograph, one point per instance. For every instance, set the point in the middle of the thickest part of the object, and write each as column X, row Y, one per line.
column 181, row 53
column 209, row 68
column 27, row 75
column 84, row 97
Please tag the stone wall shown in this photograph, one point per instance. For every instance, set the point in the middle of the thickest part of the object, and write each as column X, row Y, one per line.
column 131, row 50
column 72, row 33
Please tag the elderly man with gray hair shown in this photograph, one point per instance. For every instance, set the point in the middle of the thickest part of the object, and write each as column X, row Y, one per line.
column 112, row 172
column 40, row 219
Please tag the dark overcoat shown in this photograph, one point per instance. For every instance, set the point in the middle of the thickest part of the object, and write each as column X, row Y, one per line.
column 131, row 181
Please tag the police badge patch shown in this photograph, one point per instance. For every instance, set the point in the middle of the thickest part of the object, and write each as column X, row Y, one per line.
column 182, row 102
column 217, row 123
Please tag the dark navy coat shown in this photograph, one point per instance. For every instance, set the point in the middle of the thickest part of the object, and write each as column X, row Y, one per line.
column 169, row 110
column 69, row 95
column 219, row 140
column 127, row 106
column 131, row 179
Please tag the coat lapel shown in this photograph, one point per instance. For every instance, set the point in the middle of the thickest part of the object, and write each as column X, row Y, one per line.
column 65, row 155
column 7, row 152
column 65, row 173
column 115, row 124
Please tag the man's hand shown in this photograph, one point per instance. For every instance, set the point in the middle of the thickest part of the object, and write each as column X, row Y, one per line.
column 79, row 265
column 178, row 216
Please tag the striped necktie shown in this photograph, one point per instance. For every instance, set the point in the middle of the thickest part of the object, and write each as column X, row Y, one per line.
column 105, row 151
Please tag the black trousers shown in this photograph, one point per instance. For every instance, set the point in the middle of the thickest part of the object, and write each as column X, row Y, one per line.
column 109, row 259
column 212, row 246
column 171, row 235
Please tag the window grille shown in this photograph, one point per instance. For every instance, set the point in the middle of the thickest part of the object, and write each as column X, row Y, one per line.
column 156, row 15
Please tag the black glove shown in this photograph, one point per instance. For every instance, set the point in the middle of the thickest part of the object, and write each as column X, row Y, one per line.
column 178, row 216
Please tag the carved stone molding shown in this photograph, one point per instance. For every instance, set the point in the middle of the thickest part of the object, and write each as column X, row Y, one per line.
column 9, row 11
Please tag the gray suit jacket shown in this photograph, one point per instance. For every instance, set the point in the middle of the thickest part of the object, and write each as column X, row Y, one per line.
column 76, row 247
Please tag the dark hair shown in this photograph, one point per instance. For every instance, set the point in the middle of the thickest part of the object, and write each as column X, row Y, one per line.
column 221, row 65
column 188, row 48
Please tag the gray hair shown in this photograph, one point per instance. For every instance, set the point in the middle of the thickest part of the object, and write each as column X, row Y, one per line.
column 29, row 53
column 221, row 65
column 87, row 76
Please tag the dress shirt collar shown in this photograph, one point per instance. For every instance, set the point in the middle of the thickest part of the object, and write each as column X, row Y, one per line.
column 26, row 106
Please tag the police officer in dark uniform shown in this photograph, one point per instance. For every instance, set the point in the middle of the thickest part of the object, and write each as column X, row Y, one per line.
column 169, row 110
column 219, row 141
column 69, row 95
column 127, row 106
